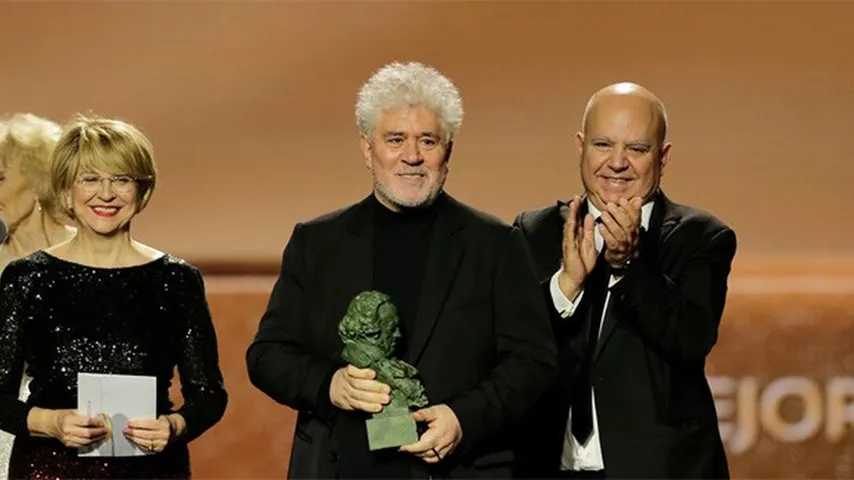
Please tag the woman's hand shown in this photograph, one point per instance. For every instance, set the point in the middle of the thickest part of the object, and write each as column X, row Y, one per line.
column 67, row 426
column 152, row 435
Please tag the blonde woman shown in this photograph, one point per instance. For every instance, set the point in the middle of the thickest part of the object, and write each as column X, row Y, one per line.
column 27, row 208
column 104, row 303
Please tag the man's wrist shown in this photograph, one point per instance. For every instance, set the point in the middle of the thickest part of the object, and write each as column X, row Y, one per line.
column 569, row 288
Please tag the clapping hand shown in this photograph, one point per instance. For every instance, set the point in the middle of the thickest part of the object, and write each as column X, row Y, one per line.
column 579, row 249
column 621, row 230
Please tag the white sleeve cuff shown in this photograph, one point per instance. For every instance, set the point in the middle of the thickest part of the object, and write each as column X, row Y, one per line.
column 564, row 306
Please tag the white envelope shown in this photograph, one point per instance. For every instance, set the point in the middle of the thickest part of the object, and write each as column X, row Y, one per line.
column 120, row 397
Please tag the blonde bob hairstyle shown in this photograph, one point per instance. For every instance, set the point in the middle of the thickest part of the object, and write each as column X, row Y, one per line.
column 90, row 143
column 27, row 141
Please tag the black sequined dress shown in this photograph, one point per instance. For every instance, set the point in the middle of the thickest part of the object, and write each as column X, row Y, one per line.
column 61, row 318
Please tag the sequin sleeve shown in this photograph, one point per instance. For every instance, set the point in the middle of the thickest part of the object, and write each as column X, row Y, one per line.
column 198, row 363
column 15, row 305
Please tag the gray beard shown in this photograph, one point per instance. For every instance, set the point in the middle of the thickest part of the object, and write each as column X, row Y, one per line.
column 385, row 197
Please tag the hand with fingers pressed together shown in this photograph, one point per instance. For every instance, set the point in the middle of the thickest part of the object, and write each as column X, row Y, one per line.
column 153, row 435
column 73, row 430
column 579, row 249
column 442, row 436
column 355, row 388
column 620, row 229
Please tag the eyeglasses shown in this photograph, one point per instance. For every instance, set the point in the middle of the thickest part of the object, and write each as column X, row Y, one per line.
column 119, row 184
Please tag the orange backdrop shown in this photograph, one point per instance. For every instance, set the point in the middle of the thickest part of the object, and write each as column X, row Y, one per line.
column 250, row 105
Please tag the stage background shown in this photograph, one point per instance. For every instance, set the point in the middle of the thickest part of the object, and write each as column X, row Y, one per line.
column 249, row 106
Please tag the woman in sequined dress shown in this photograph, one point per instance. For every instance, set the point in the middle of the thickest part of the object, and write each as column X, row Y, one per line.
column 27, row 207
column 104, row 303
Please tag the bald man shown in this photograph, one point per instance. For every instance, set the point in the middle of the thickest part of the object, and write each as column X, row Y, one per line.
column 637, row 284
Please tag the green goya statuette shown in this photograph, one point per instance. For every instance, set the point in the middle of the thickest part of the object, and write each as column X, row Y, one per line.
column 369, row 331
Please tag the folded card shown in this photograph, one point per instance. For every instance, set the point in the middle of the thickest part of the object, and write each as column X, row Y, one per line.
column 118, row 398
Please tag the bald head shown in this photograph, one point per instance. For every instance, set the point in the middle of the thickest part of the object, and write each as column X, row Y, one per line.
column 621, row 145
column 630, row 95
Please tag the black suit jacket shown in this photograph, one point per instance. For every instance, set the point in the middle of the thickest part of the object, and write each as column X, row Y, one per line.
column 655, row 410
column 482, row 341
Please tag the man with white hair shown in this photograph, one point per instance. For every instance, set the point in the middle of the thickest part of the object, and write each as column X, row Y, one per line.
column 473, row 319
column 637, row 285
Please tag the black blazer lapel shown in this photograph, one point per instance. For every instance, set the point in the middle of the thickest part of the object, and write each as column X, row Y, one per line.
column 356, row 253
column 665, row 216
column 554, row 251
column 661, row 223
column 443, row 261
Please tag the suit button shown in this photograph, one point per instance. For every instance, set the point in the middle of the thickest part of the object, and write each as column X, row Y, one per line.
column 600, row 380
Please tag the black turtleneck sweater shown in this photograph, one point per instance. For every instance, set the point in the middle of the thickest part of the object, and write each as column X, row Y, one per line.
column 401, row 245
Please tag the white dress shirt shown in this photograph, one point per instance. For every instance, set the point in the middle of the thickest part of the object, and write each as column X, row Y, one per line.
column 587, row 456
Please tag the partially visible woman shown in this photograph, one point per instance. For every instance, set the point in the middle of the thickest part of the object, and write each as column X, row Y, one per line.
column 104, row 303
column 27, row 207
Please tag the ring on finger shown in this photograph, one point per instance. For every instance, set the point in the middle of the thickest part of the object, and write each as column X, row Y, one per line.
column 436, row 452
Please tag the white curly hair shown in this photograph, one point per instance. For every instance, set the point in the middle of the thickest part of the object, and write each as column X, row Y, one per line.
column 409, row 84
